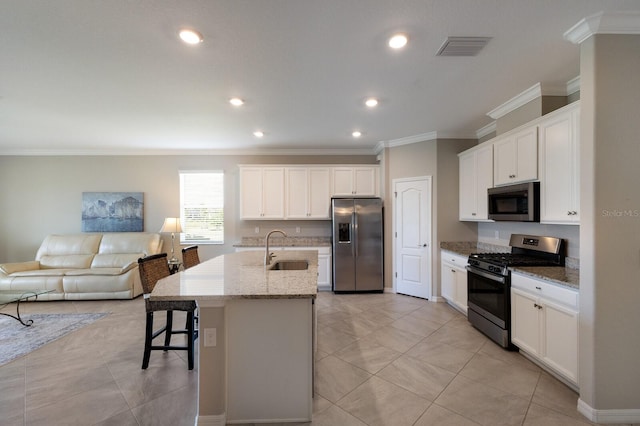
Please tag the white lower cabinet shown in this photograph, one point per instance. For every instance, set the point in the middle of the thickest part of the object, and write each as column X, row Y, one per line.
column 453, row 283
column 544, row 324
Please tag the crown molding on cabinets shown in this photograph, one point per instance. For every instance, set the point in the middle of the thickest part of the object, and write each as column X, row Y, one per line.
column 604, row 23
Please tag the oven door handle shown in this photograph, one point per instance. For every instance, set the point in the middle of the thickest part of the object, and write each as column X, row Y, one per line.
column 492, row 277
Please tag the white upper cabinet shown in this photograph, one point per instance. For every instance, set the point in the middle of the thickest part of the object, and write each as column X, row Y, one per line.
column 560, row 167
column 515, row 157
column 262, row 192
column 476, row 176
column 308, row 192
column 356, row 180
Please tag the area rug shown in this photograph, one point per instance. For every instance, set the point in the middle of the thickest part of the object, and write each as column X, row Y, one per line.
column 17, row 340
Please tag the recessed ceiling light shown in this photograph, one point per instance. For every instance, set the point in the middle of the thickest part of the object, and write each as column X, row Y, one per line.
column 398, row 41
column 258, row 134
column 236, row 101
column 356, row 134
column 371, row 102
column 190, row 36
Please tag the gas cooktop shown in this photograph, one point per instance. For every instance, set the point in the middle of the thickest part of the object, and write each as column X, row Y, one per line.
column 526, row 250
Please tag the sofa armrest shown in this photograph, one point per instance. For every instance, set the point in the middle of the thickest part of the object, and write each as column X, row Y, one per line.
column 10, row 268
column 129, row 266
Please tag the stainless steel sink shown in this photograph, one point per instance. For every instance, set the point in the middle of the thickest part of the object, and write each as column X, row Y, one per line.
column 290, row 265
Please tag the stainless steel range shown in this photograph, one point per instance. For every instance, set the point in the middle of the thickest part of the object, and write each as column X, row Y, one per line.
column 489, row 281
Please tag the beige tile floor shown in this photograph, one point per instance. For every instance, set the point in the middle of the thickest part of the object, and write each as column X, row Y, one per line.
column 382, row 359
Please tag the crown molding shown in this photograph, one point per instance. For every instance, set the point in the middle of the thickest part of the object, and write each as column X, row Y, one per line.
column 517, row 101
column 182, row 152
column 604, row 23
column 573, row 85
column 412, row 139
column 533, row 92
column 484, row 131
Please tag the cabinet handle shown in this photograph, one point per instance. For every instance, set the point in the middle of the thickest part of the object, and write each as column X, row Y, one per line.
column 535, row 305
column 473, row 214
column 512, row 176
column 453, row 270
column 538, row 288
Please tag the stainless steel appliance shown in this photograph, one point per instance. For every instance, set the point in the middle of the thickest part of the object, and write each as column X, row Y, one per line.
column 520, row 202
column 489, row 282
column 357, row 244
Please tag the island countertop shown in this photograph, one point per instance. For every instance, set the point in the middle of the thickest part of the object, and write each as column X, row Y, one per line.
column 242, row 275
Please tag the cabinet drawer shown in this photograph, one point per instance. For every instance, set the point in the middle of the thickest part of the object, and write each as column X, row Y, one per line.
column 454, row 259
column 565, row 296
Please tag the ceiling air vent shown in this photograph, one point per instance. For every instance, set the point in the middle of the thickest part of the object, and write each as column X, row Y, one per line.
column 462, row 46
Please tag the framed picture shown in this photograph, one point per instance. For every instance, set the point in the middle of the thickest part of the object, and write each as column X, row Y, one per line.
column 112, row 212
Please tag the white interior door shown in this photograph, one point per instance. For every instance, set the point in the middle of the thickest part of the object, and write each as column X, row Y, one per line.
column 412, row 207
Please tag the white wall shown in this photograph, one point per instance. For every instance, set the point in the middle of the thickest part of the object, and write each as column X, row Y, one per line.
column 436, row 158
column 43, row 195
column 609, row 371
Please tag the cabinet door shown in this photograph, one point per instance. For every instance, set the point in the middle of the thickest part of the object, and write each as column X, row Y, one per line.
column 447, row 282
column 319, row 193
column 476, row 176
column 525, row 321
column 504, row 161
column 484, row 181
column 527, row 158
column 251, row 193
column 468, row 193
column 342, row 181
column 516, row 157
column 560, row 335
column 297, row 193
column 461, row 288
column 273, row 193
column 324, row 272
column 559, row 177
column 365, row 181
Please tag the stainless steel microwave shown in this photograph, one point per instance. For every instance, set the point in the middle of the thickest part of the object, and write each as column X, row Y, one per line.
column 516, row 203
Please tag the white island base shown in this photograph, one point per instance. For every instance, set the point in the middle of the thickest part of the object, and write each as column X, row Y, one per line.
column 268, row 358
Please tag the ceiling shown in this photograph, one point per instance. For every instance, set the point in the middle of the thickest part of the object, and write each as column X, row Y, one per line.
column 112, row 77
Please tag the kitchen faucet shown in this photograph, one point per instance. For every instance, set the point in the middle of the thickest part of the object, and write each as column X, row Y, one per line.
column 267, row 255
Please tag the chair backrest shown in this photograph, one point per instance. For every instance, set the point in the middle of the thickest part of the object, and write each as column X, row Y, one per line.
column 190, row 256
column 152, row 268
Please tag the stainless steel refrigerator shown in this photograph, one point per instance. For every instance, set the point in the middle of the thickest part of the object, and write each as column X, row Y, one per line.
column 357, row 244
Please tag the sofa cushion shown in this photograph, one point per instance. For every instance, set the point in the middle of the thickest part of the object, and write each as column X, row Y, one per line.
column 70, row 261
column 10, row 268
column 130, row 242
column 41, row 273
column 116, row 260
column 68, row 251
column 94, row 271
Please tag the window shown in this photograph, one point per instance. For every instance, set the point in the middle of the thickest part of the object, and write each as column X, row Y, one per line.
column 202, row 207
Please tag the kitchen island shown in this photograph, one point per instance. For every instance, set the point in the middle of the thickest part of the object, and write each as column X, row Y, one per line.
column 256, row 338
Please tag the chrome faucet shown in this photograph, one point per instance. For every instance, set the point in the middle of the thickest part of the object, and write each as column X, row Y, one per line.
column 268, row 256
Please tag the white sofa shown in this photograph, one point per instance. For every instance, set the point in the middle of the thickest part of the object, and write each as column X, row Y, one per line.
column 84, row 266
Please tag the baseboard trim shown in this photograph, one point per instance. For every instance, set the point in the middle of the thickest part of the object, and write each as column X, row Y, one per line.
column 215, row 420
column 609, row 416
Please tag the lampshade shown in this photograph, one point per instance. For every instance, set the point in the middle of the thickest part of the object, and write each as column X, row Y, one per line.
column 171, row 224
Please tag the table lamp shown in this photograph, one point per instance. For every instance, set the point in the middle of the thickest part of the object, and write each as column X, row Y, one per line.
column 172, row 224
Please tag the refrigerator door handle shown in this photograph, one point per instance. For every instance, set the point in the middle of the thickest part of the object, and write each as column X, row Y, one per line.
column 354, row 230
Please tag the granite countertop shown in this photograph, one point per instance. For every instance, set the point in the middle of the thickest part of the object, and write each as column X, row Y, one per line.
column 242, row 275
column 562, row 275
column 279, row 241
column 568, row 276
